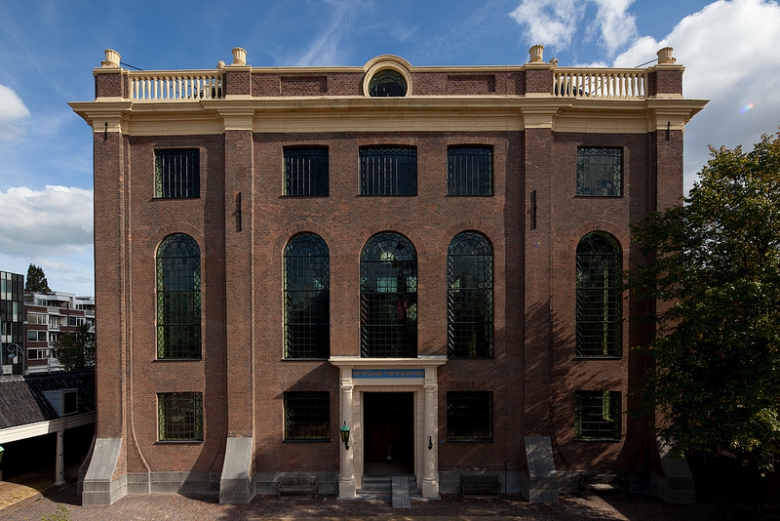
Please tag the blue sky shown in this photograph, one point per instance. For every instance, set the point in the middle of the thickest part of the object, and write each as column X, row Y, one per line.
column 48, row 49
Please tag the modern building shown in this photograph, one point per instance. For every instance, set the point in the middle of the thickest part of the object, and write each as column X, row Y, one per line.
column 49, row 316
column 427, row 257
column 12, row 355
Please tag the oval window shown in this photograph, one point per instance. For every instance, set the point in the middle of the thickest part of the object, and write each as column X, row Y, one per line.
column 387, row 83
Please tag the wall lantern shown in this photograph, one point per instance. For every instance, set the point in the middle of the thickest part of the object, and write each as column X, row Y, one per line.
column 345, row 435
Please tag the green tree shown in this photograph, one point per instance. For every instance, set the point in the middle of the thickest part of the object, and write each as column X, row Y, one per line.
column 36, row 280
column 716, row 271
column 76, row 350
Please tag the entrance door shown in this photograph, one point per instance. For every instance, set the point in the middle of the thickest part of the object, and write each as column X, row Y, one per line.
column 389, row 441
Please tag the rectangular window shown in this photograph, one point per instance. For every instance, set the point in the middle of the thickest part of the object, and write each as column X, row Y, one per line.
column 599, row 172
column 305, row 171
column 177, row 173
column 388, row 171
column 597, row 415
column 306, row 416
column 180, row 416
column 469, row 170
column 469, row 415
column 37, row 354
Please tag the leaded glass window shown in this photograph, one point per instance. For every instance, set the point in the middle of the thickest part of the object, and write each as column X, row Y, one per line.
column 387, row 83
column 599, row 311
column 388, row 171
column 177, row 173
column 470, row 296
column 388, row 297
column 306, row 416
column 469, row 416
column 306, row 297
column 180, row 416
column 469, row 170
column 599, row 172
column 305, row 171
column 597, row 415
column 178, row 298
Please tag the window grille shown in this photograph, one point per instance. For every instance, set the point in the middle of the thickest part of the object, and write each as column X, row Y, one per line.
column 470, row 296
column 599, row 314
column 388, row 297
column 305, row 171
column 470, row 170
column 599, row 172
column 388, row 171
column 306, row 416
column 306, row 297
column 387, row 83
column 178, row 298
column 597, row 415
column 180, row 416
column 177, row 173
column 469, row 415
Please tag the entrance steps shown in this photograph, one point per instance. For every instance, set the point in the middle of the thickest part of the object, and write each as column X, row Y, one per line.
column 400, row 489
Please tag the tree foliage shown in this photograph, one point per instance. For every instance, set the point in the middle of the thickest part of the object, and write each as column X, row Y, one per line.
column 76, row 350
column 716, row 270
column 36, row 280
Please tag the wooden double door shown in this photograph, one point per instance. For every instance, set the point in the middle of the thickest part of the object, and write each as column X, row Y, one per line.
column 389, row 427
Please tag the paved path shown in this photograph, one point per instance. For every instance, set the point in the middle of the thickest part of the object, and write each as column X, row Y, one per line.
column 173, row 507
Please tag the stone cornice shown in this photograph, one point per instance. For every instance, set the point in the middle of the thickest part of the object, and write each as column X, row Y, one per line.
column 362, row 114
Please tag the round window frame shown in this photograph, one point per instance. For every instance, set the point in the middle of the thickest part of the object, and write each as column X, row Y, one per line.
column 382, row 64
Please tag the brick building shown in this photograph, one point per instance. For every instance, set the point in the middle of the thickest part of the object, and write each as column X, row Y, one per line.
column 49, row 316
column 427, row 256
column 11, row 323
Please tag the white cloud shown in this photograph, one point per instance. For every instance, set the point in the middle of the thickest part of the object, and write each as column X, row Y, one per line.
column 729, row 50
column 324, row 50
column 12, row 112
column 54, row 221
column 555, row 22
column 549, row 22
column 616, row 26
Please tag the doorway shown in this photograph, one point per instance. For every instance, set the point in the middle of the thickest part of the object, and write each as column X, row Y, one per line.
column 389, row 428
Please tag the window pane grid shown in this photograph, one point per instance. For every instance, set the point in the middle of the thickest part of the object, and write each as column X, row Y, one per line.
column 388, row 297
column 178, row 298
column 388, row 171
column 180, row 416
column 470, row 171
column 470, row 296
column 307, row 416
column 469, row 415
column 598, row 296
column 306, row 171
column 597, row 415
column 599, row 171
column 177, row 173
column 307, row 297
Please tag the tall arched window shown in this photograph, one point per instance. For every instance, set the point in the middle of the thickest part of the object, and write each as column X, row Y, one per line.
column 388, row 297
column 178, row 298
column 599, row 299
column 306, row 297
column 470, row 296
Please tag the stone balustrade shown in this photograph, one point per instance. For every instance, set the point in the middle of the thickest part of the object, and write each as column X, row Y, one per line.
column 175, row 86
column 599, row 83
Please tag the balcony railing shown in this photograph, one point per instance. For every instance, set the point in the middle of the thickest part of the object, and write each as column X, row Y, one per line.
column 175, row 86
column 600, row 83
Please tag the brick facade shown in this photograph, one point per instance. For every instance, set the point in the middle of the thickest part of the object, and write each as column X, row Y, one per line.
column 242, row 223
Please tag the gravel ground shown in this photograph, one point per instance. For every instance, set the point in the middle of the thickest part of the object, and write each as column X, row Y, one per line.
column 173, row 507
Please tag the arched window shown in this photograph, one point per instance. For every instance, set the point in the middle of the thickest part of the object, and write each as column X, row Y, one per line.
column 599, row 299
column 178, row 298
column 306, row 297
column 387, row 83
column 388, row 297
column 470, row 296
